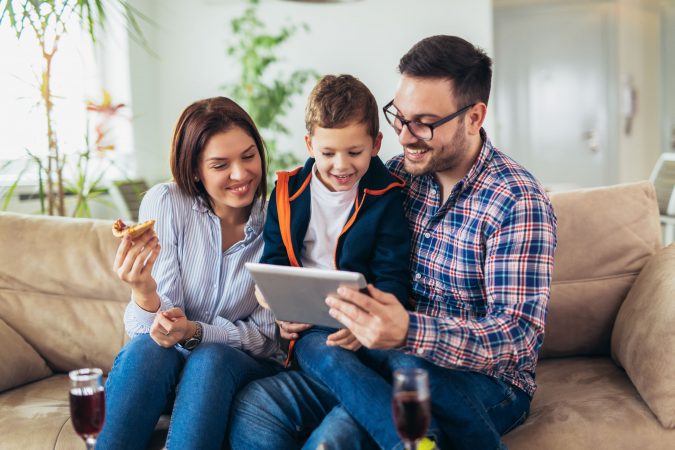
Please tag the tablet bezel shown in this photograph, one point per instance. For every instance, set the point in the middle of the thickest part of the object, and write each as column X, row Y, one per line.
column 289, row 291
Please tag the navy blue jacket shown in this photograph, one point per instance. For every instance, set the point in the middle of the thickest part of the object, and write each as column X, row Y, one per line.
column 375, row 241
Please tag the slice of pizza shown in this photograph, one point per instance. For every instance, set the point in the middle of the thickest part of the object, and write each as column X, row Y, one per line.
column 121, row 229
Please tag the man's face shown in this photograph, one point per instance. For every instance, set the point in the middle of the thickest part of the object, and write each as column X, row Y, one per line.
column 428, row 100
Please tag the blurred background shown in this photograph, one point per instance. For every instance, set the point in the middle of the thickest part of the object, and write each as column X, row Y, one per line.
column 583, row 91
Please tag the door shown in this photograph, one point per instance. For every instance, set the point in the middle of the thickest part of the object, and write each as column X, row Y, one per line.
column 552, row 92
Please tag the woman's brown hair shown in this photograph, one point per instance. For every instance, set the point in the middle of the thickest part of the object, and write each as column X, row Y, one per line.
column 199, row 122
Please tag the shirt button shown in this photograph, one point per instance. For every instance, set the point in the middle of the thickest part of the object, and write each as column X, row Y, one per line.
column 433, row 192
column 418, row 276
column 427, row 235
column 420, row 351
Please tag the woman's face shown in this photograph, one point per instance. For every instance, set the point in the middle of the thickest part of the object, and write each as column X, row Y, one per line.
column 230, row 170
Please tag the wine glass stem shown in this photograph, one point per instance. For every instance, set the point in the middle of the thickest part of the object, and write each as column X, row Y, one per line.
column 91, row 443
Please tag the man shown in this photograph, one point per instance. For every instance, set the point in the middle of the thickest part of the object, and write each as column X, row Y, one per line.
column 482, row 255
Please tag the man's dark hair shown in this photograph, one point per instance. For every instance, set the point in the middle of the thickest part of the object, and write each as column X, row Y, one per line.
column 451, row 58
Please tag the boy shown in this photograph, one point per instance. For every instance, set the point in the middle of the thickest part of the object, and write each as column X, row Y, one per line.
column 342, row 210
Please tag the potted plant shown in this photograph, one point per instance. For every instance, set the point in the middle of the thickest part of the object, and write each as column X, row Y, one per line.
column 267, row 97
column 47, row 20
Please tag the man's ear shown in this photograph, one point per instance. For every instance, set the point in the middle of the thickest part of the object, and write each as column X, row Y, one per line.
column 377, row 144
column 475, row 118
column 308, row 143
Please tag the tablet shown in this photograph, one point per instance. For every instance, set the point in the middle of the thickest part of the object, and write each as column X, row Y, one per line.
column 298, row 294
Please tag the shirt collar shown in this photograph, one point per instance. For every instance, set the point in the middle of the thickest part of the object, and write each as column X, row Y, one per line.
column 199, row 205
column 484, row 157
column 476, row 170
column 255, row 221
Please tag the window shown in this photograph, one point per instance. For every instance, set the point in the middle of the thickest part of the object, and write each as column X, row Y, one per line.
column 80, row 72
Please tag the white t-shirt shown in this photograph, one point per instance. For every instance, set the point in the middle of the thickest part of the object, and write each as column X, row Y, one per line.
column 328, row 215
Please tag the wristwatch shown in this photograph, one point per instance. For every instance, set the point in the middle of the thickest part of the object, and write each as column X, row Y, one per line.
column 193, row 342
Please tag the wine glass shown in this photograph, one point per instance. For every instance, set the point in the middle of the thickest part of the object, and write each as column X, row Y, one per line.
column 87, row 403
column 411, row 405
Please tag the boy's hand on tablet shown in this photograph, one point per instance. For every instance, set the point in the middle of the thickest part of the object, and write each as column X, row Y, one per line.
column 290, row 330
column 345, row 339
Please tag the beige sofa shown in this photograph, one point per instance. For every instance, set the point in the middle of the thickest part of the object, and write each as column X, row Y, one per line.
column 607, row 371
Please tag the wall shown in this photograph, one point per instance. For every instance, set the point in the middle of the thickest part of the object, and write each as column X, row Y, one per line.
column 668, row 61
column 634, row 56
column 639, row 60
column 365, row 38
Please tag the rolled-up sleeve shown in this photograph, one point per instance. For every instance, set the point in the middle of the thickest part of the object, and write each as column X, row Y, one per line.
column 156, row 205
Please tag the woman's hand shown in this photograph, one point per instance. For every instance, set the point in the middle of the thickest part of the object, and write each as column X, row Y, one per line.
column 345, row 339
column 133, row 265
column 170, row 327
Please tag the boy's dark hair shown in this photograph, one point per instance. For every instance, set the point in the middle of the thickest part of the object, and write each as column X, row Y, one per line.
column 197, row 124
column 451, row 58
column 337, row 101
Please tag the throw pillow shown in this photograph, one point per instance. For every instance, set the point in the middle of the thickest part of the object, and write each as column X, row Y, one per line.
column 643, row 338
column 20, row 363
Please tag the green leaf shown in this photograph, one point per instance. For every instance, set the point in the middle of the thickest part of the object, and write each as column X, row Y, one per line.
column 7, row 196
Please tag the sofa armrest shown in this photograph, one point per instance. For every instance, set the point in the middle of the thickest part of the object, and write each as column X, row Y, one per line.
column 643, row 339
column 21, row 364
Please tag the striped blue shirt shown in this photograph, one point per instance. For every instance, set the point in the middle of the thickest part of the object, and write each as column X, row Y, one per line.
column 193, row 273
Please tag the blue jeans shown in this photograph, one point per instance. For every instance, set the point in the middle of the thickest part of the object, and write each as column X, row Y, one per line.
column 470, row 410
column 146, row 378
column 284, row 411
column 350, row 380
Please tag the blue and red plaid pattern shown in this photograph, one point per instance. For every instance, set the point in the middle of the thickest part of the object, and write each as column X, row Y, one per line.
column 481, row 268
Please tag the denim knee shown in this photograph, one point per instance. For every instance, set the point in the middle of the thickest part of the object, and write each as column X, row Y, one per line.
column 226, row 364
column 145, row 355
column 313, row 353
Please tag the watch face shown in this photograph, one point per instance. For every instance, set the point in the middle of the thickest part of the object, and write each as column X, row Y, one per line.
column 191, row 343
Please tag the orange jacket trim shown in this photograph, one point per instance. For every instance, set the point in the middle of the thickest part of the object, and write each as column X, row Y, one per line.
column 284, row 214
column 357, row 207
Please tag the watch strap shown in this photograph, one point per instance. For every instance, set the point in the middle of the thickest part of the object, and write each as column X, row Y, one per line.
column 195, row 340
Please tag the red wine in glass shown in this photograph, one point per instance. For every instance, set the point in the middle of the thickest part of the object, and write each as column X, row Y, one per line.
column 411, row 405
column 412, row 415
column 87, row 403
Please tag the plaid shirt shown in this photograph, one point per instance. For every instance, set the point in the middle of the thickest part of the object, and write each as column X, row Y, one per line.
column 481, row 268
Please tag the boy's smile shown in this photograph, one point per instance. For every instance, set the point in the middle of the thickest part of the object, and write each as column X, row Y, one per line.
column 342, row 154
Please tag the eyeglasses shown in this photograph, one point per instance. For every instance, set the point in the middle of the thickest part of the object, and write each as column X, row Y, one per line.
column 422, row 131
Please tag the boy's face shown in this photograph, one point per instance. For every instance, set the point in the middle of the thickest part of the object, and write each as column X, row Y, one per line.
column 342, row 154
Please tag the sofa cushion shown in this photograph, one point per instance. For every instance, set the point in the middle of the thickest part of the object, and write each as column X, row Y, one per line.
column 57, row 286
column 58, row 255
column 68, row 331
column 20, row 363
column 605, row 236
column 643, row 341
column 587, row 403
column 37, row 416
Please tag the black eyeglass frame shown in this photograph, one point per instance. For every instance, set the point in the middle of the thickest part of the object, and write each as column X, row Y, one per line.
column 431, row 126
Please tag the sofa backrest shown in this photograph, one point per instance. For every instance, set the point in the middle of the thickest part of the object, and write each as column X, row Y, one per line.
column 58, row 289
column 605, row 237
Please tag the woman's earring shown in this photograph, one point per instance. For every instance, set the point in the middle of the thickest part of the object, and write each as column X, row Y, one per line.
column 196, row 180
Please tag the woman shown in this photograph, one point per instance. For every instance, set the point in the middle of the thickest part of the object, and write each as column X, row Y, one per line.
column 198, row 333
